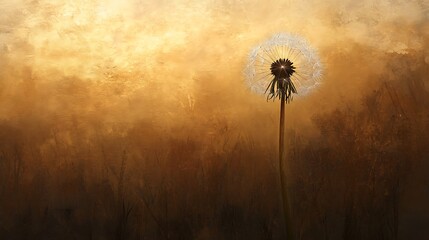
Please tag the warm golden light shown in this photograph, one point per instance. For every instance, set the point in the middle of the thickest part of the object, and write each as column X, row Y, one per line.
column 133, row 119
column 108, row 55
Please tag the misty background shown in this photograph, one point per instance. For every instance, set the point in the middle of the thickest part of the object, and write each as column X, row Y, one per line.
column 132, row 120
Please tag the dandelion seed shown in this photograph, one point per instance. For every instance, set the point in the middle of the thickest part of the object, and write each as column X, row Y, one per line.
column 300, row 74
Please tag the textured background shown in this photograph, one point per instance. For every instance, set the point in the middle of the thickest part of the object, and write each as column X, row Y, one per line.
column 110, row 106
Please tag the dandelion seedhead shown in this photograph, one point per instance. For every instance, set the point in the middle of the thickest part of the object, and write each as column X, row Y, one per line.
column 284, row 64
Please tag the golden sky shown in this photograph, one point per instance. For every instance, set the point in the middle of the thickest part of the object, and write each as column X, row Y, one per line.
column 180, row 60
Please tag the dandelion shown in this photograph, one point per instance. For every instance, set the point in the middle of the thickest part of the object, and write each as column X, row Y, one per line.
column 284, row 63
column 281, row 67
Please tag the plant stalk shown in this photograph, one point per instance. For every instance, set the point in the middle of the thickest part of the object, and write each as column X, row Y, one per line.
column 283, row 183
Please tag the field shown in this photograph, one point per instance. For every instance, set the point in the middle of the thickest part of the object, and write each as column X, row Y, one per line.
column 109, row 129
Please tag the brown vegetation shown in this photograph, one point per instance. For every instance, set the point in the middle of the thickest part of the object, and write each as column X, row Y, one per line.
column 86, row 180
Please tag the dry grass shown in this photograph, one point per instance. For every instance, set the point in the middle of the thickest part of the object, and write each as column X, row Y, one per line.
column 357, row 179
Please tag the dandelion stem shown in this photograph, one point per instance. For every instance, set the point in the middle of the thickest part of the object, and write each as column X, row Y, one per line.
column 283, row 184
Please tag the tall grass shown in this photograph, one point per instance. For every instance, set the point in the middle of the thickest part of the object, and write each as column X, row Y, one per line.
column 357, row 179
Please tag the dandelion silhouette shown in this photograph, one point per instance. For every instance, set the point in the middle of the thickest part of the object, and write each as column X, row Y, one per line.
column 282, row 70
column 280, row 67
